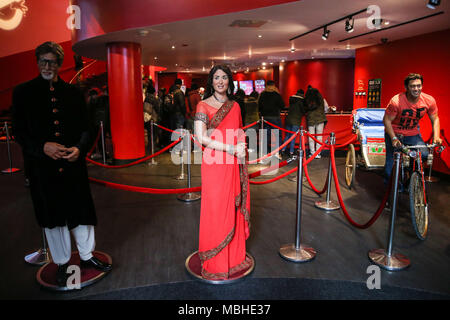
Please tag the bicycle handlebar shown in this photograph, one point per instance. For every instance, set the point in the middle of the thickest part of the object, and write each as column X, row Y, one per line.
column 407, row 149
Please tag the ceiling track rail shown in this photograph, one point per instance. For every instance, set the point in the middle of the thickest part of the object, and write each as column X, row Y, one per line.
column 330, row 23
column 395, row 26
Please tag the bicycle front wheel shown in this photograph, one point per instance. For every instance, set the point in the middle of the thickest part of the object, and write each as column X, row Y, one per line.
column 418, row 207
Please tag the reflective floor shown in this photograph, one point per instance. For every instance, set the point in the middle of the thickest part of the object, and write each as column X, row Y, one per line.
column 149, row 236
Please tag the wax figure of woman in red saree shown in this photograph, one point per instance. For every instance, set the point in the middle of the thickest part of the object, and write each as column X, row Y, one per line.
column 225, row 204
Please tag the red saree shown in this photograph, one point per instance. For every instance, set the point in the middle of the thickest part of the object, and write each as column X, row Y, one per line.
column 225, row 202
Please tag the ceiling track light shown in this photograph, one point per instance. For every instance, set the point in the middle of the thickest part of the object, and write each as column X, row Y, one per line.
column 326, row 33
column 349, row 27
column 349, row 16
column 432, row 4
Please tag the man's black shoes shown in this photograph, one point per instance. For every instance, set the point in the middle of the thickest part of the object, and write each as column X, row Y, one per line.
column 95, row 264
column 61, row 275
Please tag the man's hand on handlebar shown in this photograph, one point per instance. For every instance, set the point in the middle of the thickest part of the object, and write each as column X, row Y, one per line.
column 437, row 141
column 396, row 143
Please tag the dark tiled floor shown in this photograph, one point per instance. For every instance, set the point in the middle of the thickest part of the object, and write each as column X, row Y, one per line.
column 149, row 236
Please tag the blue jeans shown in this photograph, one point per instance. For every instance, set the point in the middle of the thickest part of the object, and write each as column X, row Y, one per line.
column 409, row 141
column 288, row 135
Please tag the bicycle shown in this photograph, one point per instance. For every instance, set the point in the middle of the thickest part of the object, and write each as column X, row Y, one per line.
column 412, row 171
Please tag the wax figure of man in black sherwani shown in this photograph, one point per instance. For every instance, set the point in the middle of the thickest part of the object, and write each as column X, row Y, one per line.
column 50, row 123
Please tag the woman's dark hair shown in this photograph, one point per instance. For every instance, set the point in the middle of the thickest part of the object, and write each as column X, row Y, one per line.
column 209, row 85
column 313, row 97
column 50, row 47
column 172, row 88
column 412, row 76
column 254, row 94
column 240, row 94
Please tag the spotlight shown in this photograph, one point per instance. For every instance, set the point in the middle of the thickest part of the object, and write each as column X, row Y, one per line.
column 325, row 34
column 432, row 4
column 349, row 27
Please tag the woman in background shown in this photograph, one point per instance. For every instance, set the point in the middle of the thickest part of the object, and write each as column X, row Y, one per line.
column 315, row 118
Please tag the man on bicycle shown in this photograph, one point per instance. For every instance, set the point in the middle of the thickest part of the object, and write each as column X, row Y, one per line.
column 401, row 119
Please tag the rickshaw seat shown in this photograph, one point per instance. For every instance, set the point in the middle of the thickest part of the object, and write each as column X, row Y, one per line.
column 369, row 123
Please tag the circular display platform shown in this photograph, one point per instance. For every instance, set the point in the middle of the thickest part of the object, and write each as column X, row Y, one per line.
column 194, row 267
column 46, row 275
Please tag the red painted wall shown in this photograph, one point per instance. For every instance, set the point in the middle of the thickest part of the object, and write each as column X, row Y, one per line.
column 428, row 55
column 44, row 20
column 333, row 78
column 21, row 67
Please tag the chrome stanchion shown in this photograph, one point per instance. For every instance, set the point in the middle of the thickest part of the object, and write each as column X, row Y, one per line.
column 430, row 163
column 103, row 142
column 261, row 141
column 297, row 252
column 328, row 205
column 39, row 257
column 190, row 196
column 152, row 144
column 380, row 257
column 181, row 175
column 10, row 170
column 293, row 178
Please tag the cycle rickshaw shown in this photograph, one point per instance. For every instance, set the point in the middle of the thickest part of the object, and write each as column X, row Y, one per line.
column 367, row 124
column 369, row 128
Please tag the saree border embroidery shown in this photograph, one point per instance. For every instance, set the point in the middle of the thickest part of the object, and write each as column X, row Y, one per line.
column 209, row 254
column 247, row 263
column 203, row 117
column 241, row 198
column 220, row 114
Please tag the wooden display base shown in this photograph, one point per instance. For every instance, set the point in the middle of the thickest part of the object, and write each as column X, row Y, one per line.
column 193, row 266
column 46, row 275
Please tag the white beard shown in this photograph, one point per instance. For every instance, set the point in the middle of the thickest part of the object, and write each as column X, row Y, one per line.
column 48, row 76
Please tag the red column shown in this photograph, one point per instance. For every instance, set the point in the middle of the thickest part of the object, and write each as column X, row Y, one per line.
column 126, row 103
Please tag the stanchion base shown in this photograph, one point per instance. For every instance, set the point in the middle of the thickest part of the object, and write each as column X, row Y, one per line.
column 394, row 262
column 38, row 258
column 180, row 177
column 11, row 170
column 188, row 197
column 327, row 206
column 152, row 163
column 194, row 267
column 303, row 254
column 46, row 276
column 431, row 179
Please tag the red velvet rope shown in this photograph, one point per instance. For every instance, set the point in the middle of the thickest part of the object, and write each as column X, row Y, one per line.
column 276, row 178
column 250, row 125
column 276, row 150
column 319, row 142
column 274, row 125
column 164, row 128
column 135, row 162
column 346, row 143
column 328, row 133
column 143, row 189
column 260, row 172
column 305, row 168
column 341, row 202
